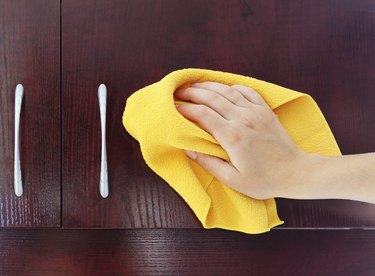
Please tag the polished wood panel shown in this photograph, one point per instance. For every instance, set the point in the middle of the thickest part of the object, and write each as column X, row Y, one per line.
column 30, row 54
column 186, row 252
column 99, row 39
column 325, row 48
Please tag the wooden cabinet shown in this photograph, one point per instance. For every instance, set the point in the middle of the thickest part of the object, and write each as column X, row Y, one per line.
column 128, row 45
column 323, row 48
column 30, row 55
column 109, row 43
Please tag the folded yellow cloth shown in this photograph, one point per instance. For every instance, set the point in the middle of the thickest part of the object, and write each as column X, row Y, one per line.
column 150, row 117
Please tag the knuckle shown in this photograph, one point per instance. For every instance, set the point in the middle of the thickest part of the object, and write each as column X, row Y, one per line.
column 252, row 92
column 260, row 117
column 228, row 90
column 257, row 98
column 248, row 121
column 249, row 118
column 266, row 116
column 232, row 93
column 233, row 134
column 236, row 98
column 254, row 95
column 242, row 88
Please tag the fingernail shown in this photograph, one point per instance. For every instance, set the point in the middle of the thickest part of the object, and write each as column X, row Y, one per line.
column 191, row 154
column 194, row 84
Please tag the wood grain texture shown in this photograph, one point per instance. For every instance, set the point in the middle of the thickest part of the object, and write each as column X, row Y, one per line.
column 324, row 48
column 186, row 252
column 30, row 54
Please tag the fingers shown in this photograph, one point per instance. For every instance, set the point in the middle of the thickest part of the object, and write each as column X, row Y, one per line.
column 207, row 119
column 219, row 168
column 208, row 98
column 239, row 95
column 250, row 94
column 218, row 115
column 225, row 91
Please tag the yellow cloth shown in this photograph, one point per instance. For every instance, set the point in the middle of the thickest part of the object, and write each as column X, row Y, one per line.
column 150, row 117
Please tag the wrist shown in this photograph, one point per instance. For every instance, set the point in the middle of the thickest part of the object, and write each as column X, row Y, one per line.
column 320, row 177
column 316, row 176
column 305, row 173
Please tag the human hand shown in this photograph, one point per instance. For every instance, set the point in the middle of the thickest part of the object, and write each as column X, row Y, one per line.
column 264, row 161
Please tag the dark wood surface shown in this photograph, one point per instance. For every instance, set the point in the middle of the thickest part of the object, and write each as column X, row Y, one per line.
column 30, row 55
column 186, row 252
column 324, row 48
column 102, row 44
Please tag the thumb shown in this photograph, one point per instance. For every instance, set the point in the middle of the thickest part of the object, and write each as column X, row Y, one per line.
column 214, row 165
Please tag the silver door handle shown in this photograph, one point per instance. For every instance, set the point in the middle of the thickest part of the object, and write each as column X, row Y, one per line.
column 103, row 186
column 18, row 189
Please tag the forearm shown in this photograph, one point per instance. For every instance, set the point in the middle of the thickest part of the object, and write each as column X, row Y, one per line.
column 342, row 177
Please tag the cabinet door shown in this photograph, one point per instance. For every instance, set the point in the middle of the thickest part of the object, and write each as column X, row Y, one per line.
column 324, row 48
column 30, row 55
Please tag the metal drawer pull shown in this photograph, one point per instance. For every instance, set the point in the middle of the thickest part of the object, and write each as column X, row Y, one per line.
column 18, row 190
column 103, row 187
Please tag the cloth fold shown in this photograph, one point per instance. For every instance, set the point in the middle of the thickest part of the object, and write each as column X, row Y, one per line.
column 163, row 133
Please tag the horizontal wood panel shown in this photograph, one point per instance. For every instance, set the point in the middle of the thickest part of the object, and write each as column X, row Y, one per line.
column 186, row 252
